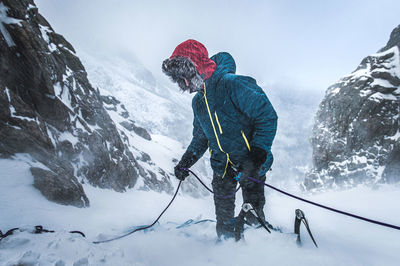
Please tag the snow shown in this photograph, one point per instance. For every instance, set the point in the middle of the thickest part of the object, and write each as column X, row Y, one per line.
column 62, row 93
column 12, row 108
column 161, row 153
column 396, row 136
column 378, row 96
column 390, row 65
column 8, row 94
column 342, row 240
column 167, row 115
column 15, row 127
column 45, row 30
column 30, row 6
column 334, row 91
column 4, row 19
column 382, row 83
column 79, row 125
column 393, row 64
column 359, row 159
column 64, row 47
column 93, row 127
column 12, row 114
column 45, row 35
column 51, row 136
column 67, row 136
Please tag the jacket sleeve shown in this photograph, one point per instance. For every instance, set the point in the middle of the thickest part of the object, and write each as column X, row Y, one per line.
column 251, row 100
column 199, row 143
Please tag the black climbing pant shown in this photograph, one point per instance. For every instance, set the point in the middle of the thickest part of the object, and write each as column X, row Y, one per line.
column 225, row 207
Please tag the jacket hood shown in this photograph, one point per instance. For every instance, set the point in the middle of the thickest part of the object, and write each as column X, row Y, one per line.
column 198, row 54
column 225, row 64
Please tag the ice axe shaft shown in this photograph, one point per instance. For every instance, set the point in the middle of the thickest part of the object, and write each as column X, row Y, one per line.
column 300, row 217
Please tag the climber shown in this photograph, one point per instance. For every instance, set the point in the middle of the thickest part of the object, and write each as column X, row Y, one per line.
column 233, row 118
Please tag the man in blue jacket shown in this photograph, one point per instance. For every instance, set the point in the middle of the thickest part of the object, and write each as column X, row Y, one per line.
column 233, row 118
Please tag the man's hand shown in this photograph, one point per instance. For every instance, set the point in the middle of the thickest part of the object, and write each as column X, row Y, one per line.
column 188, row 159
column 180, row 173
column 248, row 170
column 257, row 156
column 251, row 168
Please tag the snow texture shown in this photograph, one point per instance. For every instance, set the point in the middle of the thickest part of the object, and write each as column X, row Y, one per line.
column 342, row 240
column 168, row 116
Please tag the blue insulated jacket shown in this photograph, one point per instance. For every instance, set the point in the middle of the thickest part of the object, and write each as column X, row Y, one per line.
column 231, row 115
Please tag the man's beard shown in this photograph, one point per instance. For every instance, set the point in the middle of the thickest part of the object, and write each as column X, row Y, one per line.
column 181, row 70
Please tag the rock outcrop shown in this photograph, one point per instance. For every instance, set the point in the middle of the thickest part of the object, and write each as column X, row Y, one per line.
column 49, row 110
column 356, row 136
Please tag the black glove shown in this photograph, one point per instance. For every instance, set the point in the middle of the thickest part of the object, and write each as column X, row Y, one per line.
column 248, row 170
column 180, row 173
column 188, row 159
column 251, row 167
column 257, row 156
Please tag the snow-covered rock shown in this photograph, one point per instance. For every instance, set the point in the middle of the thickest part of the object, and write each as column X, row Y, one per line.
column 356, row 136
column 49, row 110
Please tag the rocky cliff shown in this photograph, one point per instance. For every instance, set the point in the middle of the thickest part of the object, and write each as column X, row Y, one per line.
column 49, row 110
column 356, row 137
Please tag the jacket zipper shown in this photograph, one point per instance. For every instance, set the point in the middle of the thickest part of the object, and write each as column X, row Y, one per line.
column 215, row 131
column 245, row 140
column 219, row 125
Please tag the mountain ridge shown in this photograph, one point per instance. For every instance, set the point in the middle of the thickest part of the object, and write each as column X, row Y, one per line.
column 356, row 133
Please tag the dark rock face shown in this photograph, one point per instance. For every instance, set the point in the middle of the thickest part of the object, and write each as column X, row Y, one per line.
column 54, row 187
column 49, row 110
column 130, row 125
column 356, row 134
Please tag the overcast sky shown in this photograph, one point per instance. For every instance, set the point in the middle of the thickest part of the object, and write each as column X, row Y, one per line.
column 308, row 44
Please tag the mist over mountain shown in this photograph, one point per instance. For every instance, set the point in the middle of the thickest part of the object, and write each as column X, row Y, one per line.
column 292, row 149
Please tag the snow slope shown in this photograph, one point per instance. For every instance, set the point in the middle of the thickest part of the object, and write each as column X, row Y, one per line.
column 342, row 240
column 158, row 108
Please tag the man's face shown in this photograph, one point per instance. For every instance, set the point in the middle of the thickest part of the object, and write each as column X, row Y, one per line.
column 190, row 84
column 181, row 70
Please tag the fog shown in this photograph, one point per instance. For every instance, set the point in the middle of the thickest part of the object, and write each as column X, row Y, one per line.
column 307, row 44
column 295, row 50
